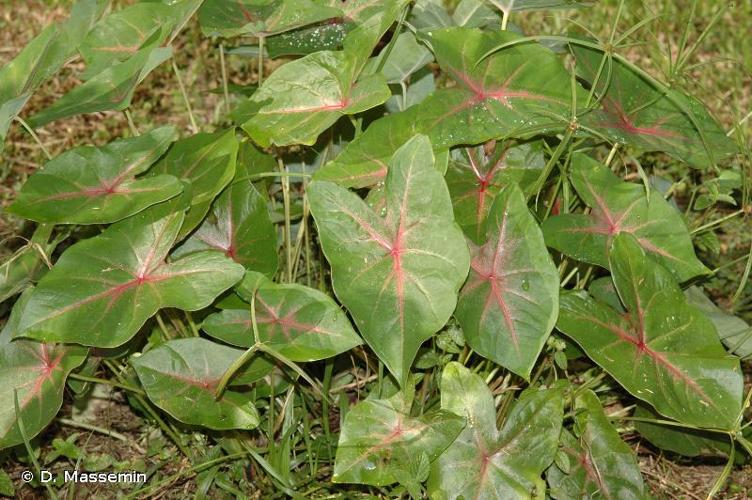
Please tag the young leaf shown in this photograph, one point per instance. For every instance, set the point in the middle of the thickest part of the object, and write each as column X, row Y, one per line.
column 207, row 163
column 181, row 377
column 635, row 112
column 112, row 89
column 37, row 373
column 42, row 58
column 663, row 351
column 240, row 227
column 97, row 185
column 484, row 462
column 407, row 57
column 475, row 178
column 621, row 207
column 509, row 304
column 231, row 18
column 380, row 437
column 300, row 323
column 601, row 464
column 398, row 275
column 520, row 87
column 103, row 289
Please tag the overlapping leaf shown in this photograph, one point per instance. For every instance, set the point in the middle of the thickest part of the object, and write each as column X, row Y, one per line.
column 601, row 465
column 96, row 185
column 509, row 304
column 476, row 175
column 205, row 161
column 734, row 332
column 522, row 87
column 398, row 275
column 485, row 463
column 229, row 18
column 181, row 377
column 35, row 373
column 305, row 97
column 42, row 58
column 663, row 351
column 240, row 227
column 299, row 322
column 111, row 89
column 621, row 207
column 635, row 112
column 103, row 289
column 380, row 437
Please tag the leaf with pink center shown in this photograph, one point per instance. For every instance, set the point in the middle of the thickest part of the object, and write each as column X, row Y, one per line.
column 520, row 91
column 96, row 185
column 380, row 438
column 663, row 350
column 601, row 465
column 299, row 322
column 238, row 226
column 510, row 301
column 621, row 207
column 102, row 290
column 181, row 376
column 635, row 112
column 398, row 274
column 36, row 372
column 487, row 463
column 475, row 176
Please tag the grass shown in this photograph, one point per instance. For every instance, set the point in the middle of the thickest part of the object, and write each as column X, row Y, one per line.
column 105, row 431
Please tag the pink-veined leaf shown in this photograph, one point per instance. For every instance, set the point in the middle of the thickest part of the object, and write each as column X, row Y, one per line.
column 475, row 176
column 486, row 463
column 181, row 376
column 231, row 18
column 379, row 438
column 510, row 301
column 36, row 372
column 621, row 207
column 303, row 98
column 96, row 185
column 299, row 322
column 399, row 274
column 635, row 112
column 663, row 350
column 239, row 226
column 206, row 161
column 601, row 465
column 103, row 289
column 522, row 87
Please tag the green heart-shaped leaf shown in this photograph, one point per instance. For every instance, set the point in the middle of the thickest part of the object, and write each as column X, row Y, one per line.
column 379, row 436
column 205, row 161
column 663, row 351
column 240, row 227
column 42, row 58
column 621, row 207
column 635, row 112
column 102, row 290
column 96, row 185
column 399, row 274
column 112, row 89
column 601, row 465
column 509, row 304
column 36, row 373
column 485, row 463
column 522, row 87
column 300, row 323
column 181, row 377
column 230, row 18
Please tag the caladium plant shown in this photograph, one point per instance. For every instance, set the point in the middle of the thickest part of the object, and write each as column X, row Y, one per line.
column 409, row 215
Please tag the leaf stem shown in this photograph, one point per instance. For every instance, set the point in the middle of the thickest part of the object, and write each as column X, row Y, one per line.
column 223, row 68
column 97, row 380
column 34, row 135
column 186, row 101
